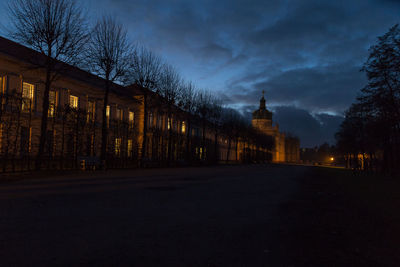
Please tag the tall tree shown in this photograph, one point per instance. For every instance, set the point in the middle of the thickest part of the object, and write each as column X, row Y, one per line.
column 383, row 93
column 109, row 55
column 145, row 68
column 231, row 123
column 372, row 124
column 216, row 120
column 203, row 110
column 170, row 89
column 56, row 29
column 188, row 104
column 145, row 71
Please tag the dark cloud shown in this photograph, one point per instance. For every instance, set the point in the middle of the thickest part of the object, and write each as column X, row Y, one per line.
column 330, row 89
column 312, row 130
column 319, row 89
column 304, row 54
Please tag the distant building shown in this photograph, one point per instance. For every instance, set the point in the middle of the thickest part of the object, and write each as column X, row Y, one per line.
column 286, row 148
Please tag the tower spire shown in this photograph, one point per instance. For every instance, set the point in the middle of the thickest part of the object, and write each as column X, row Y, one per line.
column 262, row 101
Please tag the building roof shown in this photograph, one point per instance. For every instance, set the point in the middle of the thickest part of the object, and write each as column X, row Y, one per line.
column 30, row 56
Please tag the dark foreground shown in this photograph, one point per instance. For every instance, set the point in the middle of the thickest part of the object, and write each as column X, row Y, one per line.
column 213, row 216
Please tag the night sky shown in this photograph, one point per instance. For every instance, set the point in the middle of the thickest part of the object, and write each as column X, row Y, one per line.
column 306, row 55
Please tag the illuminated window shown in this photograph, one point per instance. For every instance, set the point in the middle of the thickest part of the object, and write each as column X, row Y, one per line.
column 27, row 96
column 117, row 150
column 169, row 123
column 108, row 115
column 183, row 128
column 131, row 119
column 91, row 111
column 73, row 101
column 52, row 103
column 130, row 147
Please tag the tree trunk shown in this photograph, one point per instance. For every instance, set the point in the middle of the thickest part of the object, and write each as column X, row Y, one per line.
column 144, row 141
column 188, row 141
column 216, row 146
column 204, row 138
column 236, row 149
column 169, row 156
column 104, row 130
column 229, row 150
column 43, row 128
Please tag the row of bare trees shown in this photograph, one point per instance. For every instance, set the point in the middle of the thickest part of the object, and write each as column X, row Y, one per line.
column 58, row 29
column 369, row 137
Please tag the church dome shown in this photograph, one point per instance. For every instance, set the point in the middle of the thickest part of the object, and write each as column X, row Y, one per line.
column 262, row 112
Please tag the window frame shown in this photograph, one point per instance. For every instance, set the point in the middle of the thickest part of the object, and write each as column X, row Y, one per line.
column 131, row 119
column 28, row 93
column 91, row 111
column 183, row 127
column 130, row 148
column 108, row 115
column 117, row 146
column 75, row 103
column 52, row 106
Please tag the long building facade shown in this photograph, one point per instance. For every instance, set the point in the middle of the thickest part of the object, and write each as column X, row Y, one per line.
column 142, row 128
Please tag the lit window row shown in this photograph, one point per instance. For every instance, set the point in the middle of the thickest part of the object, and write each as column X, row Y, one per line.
column 118, row 147
column 158, row 122
column 120, row 116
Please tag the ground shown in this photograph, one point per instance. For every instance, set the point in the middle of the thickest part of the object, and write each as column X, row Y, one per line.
column 250, row 215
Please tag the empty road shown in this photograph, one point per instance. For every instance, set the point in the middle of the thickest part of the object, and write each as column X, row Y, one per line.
column 250, row 215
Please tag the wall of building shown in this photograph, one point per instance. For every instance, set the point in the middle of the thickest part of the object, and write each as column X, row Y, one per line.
column 74, row 131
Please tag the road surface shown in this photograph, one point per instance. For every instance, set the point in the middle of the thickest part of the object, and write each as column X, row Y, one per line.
column 250, row 215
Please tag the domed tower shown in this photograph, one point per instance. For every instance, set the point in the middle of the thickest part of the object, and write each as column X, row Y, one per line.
column 262, row 121
column 262, row 117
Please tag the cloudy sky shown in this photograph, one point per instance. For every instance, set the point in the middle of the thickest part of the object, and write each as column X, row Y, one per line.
column 305, row 54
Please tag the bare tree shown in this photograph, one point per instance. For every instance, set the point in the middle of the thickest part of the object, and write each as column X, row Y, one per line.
column 108, row 55
column 145, row 71
column 231, row 123
column 170, row 88
column 372, row 123
column 55, row 28
column 203, row 103
column 188, row 104
column 145, row 68
column 216, row 119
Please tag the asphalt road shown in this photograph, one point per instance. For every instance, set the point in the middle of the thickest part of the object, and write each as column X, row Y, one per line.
column 254, row 215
